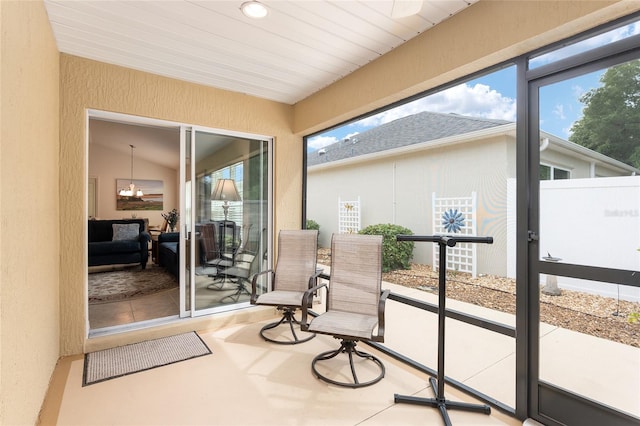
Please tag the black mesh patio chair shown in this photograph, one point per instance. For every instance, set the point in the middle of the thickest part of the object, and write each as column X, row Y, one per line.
column 354, row 310
column 240, row 258
column 242, row 272
column 294, row 274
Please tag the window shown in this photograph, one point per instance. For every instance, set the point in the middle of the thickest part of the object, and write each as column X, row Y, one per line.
column 553, row 173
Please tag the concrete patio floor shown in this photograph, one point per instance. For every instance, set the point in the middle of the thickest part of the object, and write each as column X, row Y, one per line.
column 247, row 381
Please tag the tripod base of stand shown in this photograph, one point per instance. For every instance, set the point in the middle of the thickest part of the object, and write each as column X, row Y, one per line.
column 442, row 404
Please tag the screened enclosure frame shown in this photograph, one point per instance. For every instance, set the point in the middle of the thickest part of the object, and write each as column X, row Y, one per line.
column 532, row 396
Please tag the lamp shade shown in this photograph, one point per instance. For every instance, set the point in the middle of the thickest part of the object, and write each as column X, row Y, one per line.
column 226, row 190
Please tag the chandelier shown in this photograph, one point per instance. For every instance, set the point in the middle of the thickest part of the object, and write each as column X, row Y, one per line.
column 132, row 187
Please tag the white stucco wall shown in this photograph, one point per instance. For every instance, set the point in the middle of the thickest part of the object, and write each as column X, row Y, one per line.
column 398, row 189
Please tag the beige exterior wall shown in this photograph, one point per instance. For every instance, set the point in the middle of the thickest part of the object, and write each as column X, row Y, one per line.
column 29, row 212
column 89, row 84
column 398, row 189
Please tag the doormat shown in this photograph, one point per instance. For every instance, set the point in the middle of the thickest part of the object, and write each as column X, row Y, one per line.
column 121, row 361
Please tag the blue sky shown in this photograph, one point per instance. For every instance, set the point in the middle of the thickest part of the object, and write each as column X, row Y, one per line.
column 491, row 96
column 494, row 96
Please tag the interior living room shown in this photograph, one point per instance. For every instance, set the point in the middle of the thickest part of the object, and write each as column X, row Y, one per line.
column 53, row 86
column 120, row 150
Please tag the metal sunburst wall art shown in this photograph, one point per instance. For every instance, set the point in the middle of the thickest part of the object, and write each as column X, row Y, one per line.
column 453, row 220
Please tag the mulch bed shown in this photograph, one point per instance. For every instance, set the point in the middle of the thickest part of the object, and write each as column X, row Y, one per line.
column 582, row 312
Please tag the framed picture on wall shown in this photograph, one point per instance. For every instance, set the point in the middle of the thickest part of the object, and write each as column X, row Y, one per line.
column 139, row 194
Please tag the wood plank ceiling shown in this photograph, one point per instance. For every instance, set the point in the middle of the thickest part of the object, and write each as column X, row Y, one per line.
column 297, row 49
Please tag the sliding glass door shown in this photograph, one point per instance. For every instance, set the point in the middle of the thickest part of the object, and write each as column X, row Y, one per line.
column 227, row 218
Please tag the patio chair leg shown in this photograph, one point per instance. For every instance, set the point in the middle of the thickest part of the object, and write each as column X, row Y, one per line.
column 348, row 347
column 241, row 289
column 219, row 282
column 288, row 316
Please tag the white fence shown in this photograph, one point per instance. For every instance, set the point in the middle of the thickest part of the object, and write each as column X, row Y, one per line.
column 593, row 222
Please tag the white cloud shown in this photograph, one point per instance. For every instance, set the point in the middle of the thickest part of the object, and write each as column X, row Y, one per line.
column 588, row 44
column 578, row 90
column 320, row 141
column 558, row 111
column 477, row 101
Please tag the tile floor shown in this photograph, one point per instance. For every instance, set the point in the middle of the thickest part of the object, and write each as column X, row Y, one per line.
column 159, row 305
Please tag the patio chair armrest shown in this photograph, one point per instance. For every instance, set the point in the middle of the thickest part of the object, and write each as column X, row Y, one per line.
column 381, row 304
column 254, row 281
column 307, row 298
column 314, row 277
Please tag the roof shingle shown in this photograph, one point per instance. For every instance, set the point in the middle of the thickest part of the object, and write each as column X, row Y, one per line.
column 421, row 127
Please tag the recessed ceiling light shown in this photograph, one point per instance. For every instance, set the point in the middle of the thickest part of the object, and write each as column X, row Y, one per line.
column 254, row 9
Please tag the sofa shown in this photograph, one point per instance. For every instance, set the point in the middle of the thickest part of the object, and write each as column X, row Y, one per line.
column 169, row 251
column 118, row 241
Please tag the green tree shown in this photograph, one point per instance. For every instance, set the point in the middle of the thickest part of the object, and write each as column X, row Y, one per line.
column 610, row 123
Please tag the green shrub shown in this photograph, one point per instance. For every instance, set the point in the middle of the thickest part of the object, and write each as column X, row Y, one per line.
column 395, row 254
column 312, row 224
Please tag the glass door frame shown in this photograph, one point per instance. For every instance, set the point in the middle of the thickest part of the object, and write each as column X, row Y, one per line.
column 545, row 402
column 185, row 309
column 188, row 274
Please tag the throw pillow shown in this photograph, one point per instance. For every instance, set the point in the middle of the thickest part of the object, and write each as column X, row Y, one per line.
column 125, row 231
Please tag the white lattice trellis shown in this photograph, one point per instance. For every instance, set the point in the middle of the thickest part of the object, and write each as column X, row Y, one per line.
column 348, row 216
column 456, row 216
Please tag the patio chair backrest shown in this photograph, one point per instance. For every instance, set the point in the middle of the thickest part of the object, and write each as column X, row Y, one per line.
column 356, row 273
column 209, row 242
column 297, row 255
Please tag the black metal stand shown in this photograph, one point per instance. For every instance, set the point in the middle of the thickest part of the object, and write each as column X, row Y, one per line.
column 438, row 385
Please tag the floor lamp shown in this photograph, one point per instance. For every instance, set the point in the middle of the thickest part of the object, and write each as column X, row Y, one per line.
column 225, row 191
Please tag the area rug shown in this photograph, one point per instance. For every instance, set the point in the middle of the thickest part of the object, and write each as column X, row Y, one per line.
column 121, row 361
column 128, row 283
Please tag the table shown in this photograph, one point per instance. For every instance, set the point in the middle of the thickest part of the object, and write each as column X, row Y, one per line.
column 154, row 248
